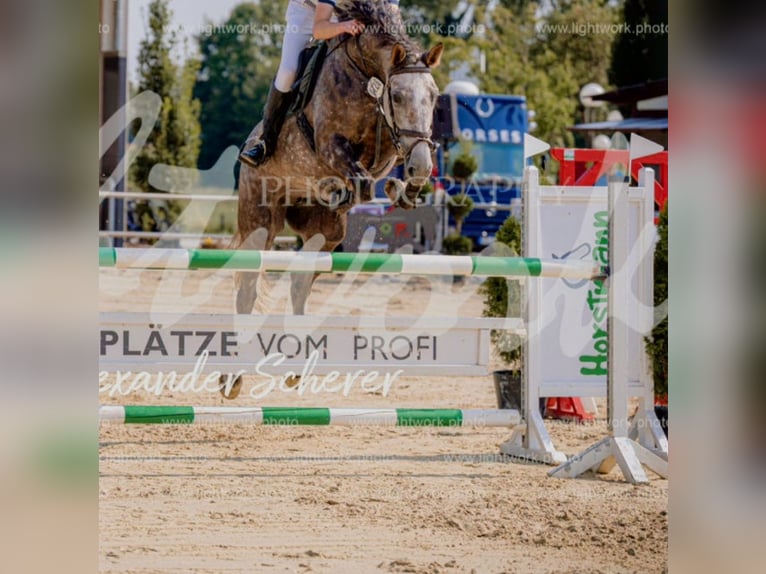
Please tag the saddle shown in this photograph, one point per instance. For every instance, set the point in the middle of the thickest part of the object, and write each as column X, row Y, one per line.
column 309, row 65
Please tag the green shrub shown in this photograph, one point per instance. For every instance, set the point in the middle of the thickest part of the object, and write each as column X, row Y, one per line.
column 657, row 343
column 456, row 245
column 459, row 206
column 502, row 296
column 464, row 166
column 427, row 188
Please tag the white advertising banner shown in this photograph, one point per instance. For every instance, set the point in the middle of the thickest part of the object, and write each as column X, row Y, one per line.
column 567, row 318
column 276, row 344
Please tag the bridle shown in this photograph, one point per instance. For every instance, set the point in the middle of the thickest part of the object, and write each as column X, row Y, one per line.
column 380, row 91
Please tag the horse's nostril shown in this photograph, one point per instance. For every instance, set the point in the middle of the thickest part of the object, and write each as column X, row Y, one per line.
column 411, row 171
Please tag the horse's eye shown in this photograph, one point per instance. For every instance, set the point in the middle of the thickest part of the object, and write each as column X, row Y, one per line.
column 398, row 98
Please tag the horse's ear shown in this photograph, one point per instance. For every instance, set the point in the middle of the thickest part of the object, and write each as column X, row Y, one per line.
column 433, row 57
column 398, row 55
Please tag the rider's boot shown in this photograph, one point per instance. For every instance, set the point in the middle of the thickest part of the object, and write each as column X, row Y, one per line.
column 274, row 114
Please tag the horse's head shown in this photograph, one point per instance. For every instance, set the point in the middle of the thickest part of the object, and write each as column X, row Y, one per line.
column 399, row 78
column 406, row 98
column 409, row 101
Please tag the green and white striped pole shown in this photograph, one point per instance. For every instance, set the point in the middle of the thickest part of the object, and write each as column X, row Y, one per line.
column 289, row 416
column 379, row 263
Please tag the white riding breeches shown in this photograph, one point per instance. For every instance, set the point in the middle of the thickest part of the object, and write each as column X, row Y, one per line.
column 298, row 33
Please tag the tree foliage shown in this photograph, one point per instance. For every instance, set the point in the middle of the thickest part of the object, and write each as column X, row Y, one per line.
column 239, row 61
column 545, row 53
column 175, row 139
column 587, row 46
column 433, row 20
column 640, row 57
column 516, row 63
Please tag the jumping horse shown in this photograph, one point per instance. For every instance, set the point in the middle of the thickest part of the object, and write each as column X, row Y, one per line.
column 371, row 109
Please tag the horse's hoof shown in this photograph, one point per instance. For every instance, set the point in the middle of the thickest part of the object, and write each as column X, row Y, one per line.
column 394, row 188
column 231, row 390
column 409, row 197
column 291, row 382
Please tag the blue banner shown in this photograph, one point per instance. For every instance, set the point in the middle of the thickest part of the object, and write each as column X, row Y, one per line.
column 492, row 118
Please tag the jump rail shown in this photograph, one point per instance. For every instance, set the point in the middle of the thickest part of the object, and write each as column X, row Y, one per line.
column 291, row 416
column 378, row 263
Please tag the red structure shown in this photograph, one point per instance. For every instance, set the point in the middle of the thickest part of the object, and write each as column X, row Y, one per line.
column 567, row 408
column 586, row 166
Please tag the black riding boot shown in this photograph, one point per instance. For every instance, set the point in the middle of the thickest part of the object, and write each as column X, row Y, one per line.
column 274, row 113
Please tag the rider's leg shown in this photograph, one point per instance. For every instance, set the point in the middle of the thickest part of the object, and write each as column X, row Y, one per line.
column 274, row 114
column 300, row 21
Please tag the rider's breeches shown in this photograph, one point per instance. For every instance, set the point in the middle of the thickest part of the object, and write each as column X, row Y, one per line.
column 298, row 31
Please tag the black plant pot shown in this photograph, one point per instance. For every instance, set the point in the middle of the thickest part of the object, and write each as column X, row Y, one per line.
column 662, row 413
column 508, row 391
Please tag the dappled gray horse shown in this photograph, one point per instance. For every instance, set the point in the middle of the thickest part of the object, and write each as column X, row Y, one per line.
column 372, row 107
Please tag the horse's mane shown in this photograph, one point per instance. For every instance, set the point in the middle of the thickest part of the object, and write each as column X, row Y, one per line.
column 386, row 23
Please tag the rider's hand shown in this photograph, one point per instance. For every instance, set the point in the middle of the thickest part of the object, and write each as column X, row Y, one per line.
column 352, row 27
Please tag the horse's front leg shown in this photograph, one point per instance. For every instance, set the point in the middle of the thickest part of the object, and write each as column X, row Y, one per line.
column 322, row 229
column 356, row 186
column 265, row 222
column 402, row 194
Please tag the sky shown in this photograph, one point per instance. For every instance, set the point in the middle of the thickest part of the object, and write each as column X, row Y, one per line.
column 188, row 15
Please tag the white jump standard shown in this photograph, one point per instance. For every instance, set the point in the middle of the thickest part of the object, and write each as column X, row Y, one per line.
column 642, row 442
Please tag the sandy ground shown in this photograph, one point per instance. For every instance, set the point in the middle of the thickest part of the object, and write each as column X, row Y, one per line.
column 243, row 498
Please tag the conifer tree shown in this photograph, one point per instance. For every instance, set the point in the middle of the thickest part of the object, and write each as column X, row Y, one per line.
column 175, row 140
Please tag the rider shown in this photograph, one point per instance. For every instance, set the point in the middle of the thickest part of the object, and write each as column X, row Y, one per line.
column 305, row 18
